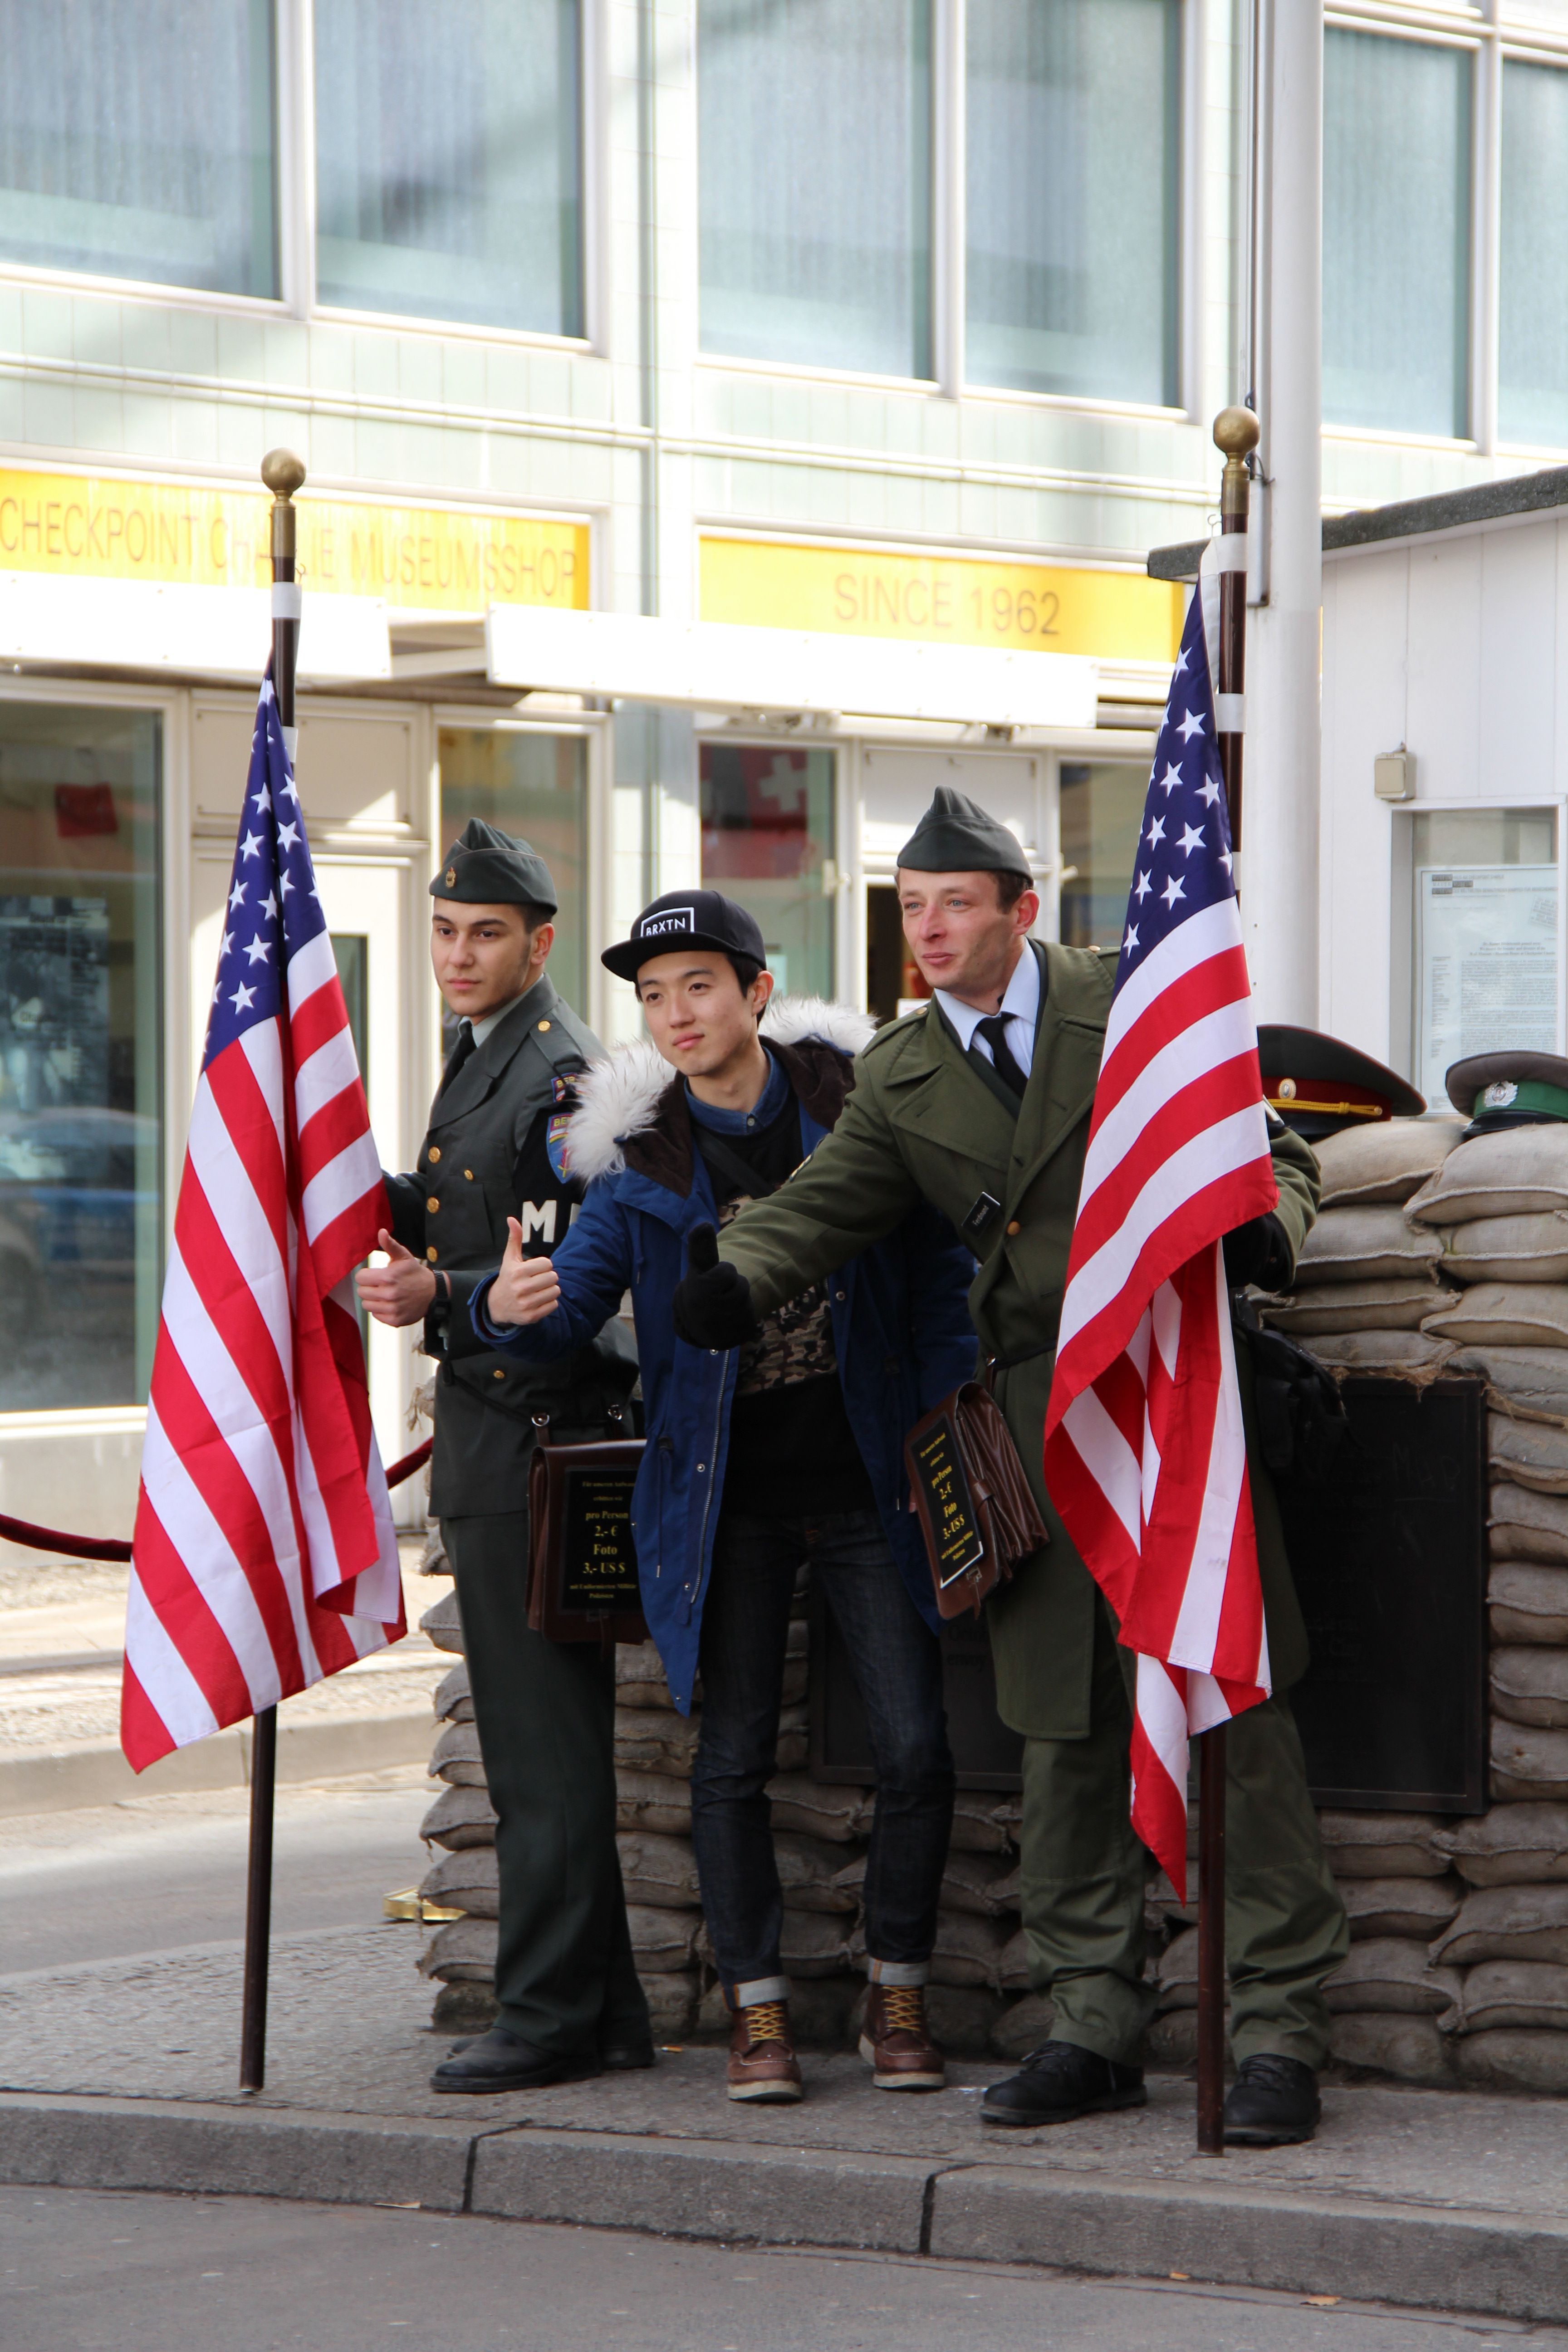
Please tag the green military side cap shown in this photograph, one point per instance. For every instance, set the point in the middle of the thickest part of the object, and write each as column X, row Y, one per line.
column 486, row 868
column 1508, row 1089
column 1320, row 1085
column 956, row 836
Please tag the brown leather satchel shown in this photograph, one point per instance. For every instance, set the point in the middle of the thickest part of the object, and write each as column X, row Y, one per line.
column 582, row 1562
column 968, row 1488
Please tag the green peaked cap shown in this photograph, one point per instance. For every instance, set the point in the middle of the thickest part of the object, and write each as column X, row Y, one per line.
column 956, row 836
column 487, row 867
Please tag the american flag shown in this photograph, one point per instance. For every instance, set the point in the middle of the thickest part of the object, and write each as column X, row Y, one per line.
column 1144, row 1454
column 263, row 1556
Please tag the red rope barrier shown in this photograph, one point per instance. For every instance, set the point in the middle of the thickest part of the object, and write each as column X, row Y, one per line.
column 21, row 1531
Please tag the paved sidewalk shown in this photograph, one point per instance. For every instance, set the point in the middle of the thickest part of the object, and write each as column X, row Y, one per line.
column 61, row 1625
column 122, row 2075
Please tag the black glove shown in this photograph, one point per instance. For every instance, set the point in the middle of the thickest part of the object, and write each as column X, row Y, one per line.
column 712, row 1307
column 1258, row 1252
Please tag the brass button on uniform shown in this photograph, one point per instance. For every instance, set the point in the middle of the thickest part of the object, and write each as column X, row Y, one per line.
column 469, row 1174
column 1013, row 1228
column 545, row 1025
column 432, row 1204
column 497, row 1376
column 432, row 1254
column 435, row 1153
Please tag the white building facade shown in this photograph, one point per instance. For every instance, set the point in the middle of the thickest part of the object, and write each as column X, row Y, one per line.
column 725, row 419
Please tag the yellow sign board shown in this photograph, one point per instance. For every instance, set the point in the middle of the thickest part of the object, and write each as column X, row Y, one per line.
column 956, row 600
column 113, row 527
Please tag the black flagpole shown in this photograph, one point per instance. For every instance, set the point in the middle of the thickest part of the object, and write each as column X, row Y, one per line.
column 283, row 474
column 1235, row 432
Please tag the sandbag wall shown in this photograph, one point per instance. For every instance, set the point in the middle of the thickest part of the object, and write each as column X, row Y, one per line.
column 1433, row 1257
column 979, row 2002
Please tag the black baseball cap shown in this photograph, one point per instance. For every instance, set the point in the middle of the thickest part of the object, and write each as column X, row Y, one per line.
column 687, row 919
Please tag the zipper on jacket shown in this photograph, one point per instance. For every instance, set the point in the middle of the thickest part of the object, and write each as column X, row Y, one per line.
column 707, row 1506
column 665, row 1448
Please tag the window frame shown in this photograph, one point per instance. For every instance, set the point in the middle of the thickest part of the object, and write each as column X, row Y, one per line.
column 1494, row 40
column 949, row 232
column 295, row 222
column 171, row 707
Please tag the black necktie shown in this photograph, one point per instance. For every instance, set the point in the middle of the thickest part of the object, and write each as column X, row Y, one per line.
column 993, row 1029
column 461, row 1051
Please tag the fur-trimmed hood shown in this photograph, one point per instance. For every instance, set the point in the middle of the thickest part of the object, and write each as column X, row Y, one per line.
column 620, row 1097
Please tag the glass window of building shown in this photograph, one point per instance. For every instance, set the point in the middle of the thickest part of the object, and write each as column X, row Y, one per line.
column 535, row 787
column 137, row 141
column 449, row 160
column 80, row 1084
column 1396, row 234
column 1101, row 816
column 814, row 155
column 1072, row 158
column 1486, row 937
column 1532, row 360
column 767, row 837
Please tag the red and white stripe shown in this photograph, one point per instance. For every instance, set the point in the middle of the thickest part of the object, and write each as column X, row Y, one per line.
column 1146, row 1456
column 263, row 1556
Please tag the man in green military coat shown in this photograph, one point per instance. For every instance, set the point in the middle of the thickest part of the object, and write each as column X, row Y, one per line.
column 981, row 1104
column 570, row 2000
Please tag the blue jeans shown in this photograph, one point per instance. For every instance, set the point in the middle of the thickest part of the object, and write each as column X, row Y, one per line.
column 897, row 1661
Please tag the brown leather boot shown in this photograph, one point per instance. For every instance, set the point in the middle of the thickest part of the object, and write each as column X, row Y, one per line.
column 896, row 2041
column 763, row 2065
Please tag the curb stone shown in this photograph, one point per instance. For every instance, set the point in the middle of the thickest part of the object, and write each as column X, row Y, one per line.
column 98, row 1774
column 1291, row 2241
column 1361, row 2248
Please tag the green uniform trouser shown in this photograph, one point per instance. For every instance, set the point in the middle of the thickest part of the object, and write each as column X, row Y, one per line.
column 545, row 1715
column 1084, row 1874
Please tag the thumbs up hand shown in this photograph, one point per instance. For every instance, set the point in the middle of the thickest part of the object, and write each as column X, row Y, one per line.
column 526, row 1289
column 399, row 1292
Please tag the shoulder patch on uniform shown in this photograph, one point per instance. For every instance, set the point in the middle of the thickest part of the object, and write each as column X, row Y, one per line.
column 900, row 1028
column 559, row 1158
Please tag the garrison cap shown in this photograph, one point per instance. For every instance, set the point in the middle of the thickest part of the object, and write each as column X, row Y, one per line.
column 956, row 836
column 486, row 868
column 1320, row 1085
column 1496, row 1090
column 687, row 919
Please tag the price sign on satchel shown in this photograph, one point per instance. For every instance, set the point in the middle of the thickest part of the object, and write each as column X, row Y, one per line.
column 938, row 1464
column 599, row 1568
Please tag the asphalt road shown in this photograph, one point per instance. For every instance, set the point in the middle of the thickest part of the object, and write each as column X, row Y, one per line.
column 81, row 2271
column 159, row 1874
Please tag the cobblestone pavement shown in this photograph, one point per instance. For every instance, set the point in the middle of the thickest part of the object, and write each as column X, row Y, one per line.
column 349, row 2034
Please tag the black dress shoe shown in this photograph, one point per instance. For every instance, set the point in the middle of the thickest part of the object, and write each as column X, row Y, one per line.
column 626, row 2057
column 1273, row 2103
column 1059, row 2081
column 501, row 2061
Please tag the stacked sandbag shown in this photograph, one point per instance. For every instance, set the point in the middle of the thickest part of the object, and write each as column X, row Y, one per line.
column 979, row 1999
column 1459, row 1962
column 1368, row 1278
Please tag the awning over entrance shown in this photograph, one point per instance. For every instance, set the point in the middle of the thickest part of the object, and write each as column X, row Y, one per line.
column 723, row 666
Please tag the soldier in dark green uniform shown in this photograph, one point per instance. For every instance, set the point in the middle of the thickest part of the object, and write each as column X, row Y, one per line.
column 570, row 2000
column 981, row 1104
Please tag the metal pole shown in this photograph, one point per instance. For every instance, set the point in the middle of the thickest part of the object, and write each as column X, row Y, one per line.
column 1235, row 432
column 283, row 474
column 1211, row 1942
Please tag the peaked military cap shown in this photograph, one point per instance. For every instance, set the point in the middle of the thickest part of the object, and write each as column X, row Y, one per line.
column 956, row 836
column 1320, row 1085
column 486, row 868
column 1496, row 1090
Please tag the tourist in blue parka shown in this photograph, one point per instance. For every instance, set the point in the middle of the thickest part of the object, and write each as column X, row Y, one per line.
column 784, row 1450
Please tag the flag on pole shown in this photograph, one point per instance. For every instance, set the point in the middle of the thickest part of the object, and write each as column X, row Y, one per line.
column 1144, row 1454
column 263, row 1556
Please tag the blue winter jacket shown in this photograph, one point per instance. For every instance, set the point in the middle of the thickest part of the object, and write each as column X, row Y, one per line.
column 901, row 1320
